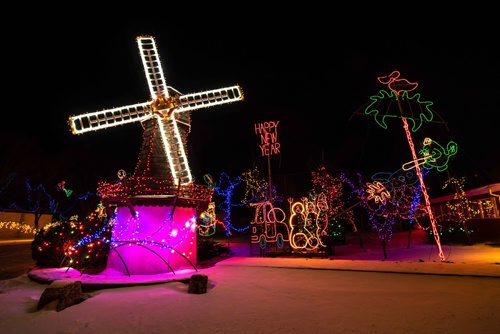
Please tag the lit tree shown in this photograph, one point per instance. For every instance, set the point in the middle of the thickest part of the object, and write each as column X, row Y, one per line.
column 383, row 220
column 380, row 219
column 39, row 202
column 4, row 184
column 332, row 188
column 225, row 189
column 257, row 188
column 460, row 207
column 79, row 243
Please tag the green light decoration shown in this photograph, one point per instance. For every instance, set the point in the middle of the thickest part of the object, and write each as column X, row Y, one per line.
column 209, row 181
column 62, row 186
column 436, row 156
column 417, row 119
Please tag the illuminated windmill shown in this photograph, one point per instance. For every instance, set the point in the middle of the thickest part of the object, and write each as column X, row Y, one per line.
column 165, row 119
column 154, row 210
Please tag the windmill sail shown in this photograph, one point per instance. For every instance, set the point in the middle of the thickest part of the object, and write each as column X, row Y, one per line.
column 108, row 118
column 209, row 98
column 152, row 67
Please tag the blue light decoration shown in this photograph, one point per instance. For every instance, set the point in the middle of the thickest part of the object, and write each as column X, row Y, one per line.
column 396, row 180
column 4, row 184
column 358, row 193
column 402, row 185
column 379, row 214
column 36, row 195
column 405, row 199
column 39, row 200
column 225, row 188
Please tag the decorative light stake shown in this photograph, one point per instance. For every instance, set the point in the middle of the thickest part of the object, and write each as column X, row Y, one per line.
column 269, row 145
column 399, row 91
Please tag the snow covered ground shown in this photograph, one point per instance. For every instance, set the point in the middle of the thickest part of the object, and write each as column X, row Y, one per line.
column 361, row 294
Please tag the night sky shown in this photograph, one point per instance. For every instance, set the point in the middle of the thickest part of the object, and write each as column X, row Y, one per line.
column 314, row 76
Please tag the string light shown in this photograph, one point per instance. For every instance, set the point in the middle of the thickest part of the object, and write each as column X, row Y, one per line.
column 460, row 209
column 225, row 188
column 331, row 189
column 190, row 195
column 257, row 189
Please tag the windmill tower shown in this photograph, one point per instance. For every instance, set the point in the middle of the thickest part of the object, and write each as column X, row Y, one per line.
column 154, row 210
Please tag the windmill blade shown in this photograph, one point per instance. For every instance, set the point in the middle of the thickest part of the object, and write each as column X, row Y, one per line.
column 108, row 118
column 174, row 150
column 152, row 66
column 209, row 98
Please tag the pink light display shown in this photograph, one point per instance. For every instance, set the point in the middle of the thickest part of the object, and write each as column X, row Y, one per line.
column 152, row 240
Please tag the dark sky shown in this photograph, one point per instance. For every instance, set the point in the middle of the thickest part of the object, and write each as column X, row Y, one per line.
column 311, row 71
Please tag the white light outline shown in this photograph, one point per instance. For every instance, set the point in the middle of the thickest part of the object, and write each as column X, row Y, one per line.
column 183, row 99
column 166, row 148
column 140, row 42
column 146, row 108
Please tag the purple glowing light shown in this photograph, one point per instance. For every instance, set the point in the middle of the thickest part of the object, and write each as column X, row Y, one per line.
column 153, row 241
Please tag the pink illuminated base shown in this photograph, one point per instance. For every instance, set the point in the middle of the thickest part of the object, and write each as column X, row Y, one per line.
column 151, row 243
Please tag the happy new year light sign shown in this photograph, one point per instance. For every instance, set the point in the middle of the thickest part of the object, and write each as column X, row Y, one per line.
column 268, row 132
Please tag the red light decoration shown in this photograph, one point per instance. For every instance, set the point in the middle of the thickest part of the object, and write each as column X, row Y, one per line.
column 268, row 225
column 154, row 188
column 268, row 132
column 397, row 85
column 377, row 192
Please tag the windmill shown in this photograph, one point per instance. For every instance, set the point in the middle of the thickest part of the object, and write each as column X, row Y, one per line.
column 165, row 119
column 154, row 210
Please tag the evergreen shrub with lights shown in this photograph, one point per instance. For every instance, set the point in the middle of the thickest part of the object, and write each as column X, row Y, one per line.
column 451, row 232
column 454, row 225
column 80, row 244
column 209, row 248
